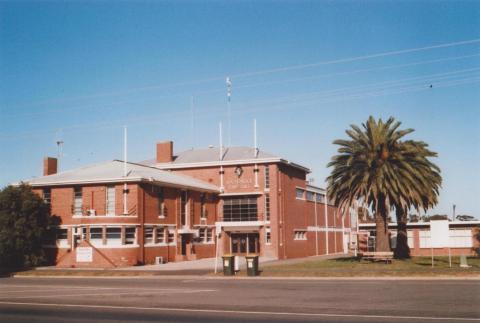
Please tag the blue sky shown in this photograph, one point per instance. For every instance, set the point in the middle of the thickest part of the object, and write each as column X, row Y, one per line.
column 80, row 71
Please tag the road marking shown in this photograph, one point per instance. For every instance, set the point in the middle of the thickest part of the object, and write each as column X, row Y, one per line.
column 142, row 291
column 191, row 310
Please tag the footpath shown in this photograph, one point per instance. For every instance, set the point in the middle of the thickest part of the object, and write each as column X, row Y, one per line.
column 330, row 267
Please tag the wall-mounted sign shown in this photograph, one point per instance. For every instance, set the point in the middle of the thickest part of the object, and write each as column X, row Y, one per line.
column 439, row 234
column 84, row 254
column 237, row 183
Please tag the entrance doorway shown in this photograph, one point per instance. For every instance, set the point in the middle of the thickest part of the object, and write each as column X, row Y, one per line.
column 243, row 243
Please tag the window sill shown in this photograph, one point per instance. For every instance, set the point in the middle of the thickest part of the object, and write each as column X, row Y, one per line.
column 103, row 216
column 204, row 243
column 159, row 245
column 126, row 246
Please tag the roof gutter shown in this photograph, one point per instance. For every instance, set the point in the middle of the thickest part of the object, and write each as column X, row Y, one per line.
column 231, row 163
column 121, row 180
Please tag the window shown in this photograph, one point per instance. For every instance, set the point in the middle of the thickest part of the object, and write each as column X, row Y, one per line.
column 96, row 233
column 77, row 201
column 425, row 239
column 310, row 196
column 160, row 235
column 130, row 235
column 268, row 236
column 410, row 240
column 110, row 200
column 240, row 209
column 171, row 235
column 267, row 177
column 47, row 195
column 161, row 203
column 114, row 236
column 267, row 207
column 203, row 206
column 209, row 235
column 62, row 237
column 320, row 198
column 300, row 235
column 148, row 235
column 96, row 236
column 201, row 234
column 205, row 235
column 460, row 238
column 183, row 208
column 393, row 239
column 299, row 193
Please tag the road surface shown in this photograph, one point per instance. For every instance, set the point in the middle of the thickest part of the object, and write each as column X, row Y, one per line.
column 171, row 299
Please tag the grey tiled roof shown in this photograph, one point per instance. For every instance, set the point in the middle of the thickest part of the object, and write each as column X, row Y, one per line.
column 112, row 171
column 213, row 155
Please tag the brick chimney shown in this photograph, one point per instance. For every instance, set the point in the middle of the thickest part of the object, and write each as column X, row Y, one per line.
column 49, row 166
column 164, row 152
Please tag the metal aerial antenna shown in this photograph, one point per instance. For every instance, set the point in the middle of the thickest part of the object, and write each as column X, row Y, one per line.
column 229, row 113
column 192, row 121
column 59, row 143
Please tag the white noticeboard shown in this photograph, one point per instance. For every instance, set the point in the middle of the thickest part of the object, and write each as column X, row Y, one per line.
column 84, row 254
column 439, row 234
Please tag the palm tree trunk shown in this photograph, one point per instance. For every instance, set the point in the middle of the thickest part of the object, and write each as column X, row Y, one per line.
column 382, row 239
column 402, row 251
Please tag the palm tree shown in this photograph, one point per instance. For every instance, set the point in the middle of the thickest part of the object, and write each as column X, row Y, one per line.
column 386, row 173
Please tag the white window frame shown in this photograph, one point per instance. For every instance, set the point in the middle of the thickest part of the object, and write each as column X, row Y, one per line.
column 47, row 195
column 297, row 190
column 268, row 236
column 171, row 237
column 300, row 235
column 461, row 238
column 267, row 178
column 410, row 239
column 152, row 238
column 61, row 243
column 108, row 210
column 161, row 202
column 117, row 242
column 97, row 242
column 267, row 207
column 77, row 201
column 128, row 241
column 424, row 238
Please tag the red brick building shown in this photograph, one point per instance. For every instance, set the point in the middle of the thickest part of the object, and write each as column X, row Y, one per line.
column 195, row 204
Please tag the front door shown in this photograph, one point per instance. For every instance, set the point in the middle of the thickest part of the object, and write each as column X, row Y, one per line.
column 184, row 246
column 243, row 243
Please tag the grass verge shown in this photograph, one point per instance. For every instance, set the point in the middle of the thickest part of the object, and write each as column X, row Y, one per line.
column 353, row 267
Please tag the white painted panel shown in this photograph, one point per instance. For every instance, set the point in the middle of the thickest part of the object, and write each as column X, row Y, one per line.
column 439, row 234
column 84, row 254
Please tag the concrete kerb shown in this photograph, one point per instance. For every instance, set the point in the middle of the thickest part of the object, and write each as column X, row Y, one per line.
column 340, row 278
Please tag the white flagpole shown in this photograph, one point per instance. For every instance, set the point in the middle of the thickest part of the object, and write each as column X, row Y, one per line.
column 125, row 170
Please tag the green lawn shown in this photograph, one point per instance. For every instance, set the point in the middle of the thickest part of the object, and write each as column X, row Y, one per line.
column 350, row 267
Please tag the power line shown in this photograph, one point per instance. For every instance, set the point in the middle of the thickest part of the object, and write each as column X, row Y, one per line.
column 266, row 71
column 197, row 93
column 358, row 71
column 358, row 58
column 332, row 98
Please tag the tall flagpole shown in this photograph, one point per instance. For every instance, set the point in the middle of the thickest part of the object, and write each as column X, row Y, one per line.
column 229, row 112
column 125, row 187
column 192, row 121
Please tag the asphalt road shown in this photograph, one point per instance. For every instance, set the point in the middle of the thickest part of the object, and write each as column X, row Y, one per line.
column 169, row 299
